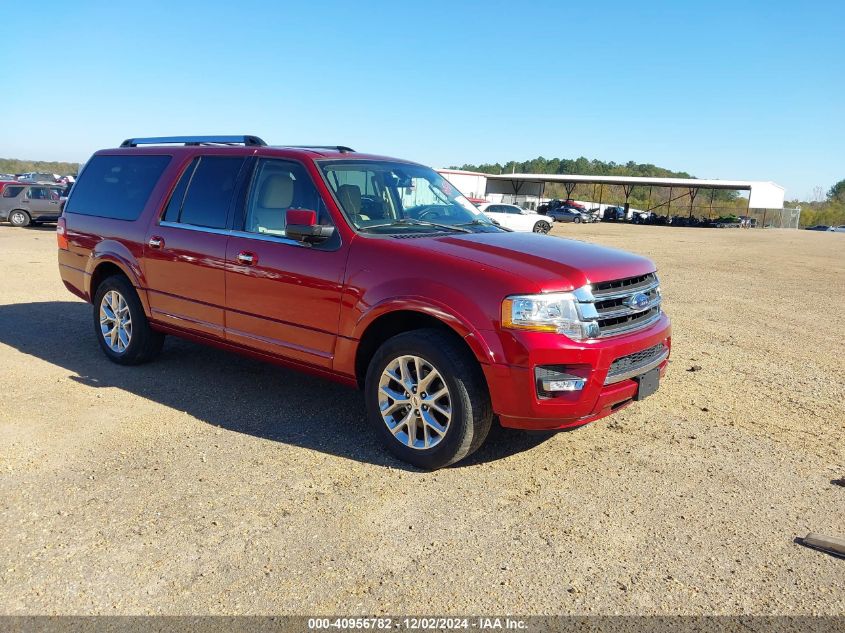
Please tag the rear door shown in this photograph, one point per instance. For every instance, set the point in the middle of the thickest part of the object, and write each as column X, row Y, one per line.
column 283, row 297
column 40, row 202
column 494, row 212
column 185, row 249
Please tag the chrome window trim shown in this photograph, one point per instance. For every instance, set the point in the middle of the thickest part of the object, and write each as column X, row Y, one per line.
column 195, row 227
column 263, row 237
column 266, row 237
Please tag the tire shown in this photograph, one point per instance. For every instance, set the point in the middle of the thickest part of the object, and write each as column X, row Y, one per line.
column 542, row 227
column 576, row 220
column 19, row 217
column 468, row 403
column 142, row 343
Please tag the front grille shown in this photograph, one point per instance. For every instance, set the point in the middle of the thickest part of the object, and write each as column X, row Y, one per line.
column 613, row 309
column 631, row 284
column 636, row 363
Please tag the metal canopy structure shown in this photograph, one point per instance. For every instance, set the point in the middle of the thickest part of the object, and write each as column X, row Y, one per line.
column 762, row 194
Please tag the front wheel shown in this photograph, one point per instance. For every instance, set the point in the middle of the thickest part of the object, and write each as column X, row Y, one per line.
column 577, row 220
column 427, row 399
column 542, row 227
column 19, row 217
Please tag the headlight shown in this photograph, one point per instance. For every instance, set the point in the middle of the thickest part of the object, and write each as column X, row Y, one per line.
column 553, row 312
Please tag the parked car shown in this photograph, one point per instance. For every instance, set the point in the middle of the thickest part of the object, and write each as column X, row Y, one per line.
column 441, row 317
column 22, row 204
column 562, row 214
column 614, row 214
column 592, row 215
column 39, row 178
column 839, row 229
column 515, row 218
column 820, row 227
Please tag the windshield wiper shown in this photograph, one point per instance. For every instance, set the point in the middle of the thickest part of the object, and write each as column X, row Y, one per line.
column 415, row 222
column 477, row 222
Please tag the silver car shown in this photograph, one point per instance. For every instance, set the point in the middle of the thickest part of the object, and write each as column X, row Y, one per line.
column 25, row 204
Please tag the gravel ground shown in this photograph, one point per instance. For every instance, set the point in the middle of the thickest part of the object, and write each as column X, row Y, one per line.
column 209, row 483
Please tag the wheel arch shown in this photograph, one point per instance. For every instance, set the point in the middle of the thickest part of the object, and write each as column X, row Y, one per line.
column 389, row 323
column 104, row 266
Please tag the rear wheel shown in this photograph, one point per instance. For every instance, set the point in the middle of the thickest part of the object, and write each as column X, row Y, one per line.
column 427, row 399
column 19, row 217
column 121, row 327
column 542, row 227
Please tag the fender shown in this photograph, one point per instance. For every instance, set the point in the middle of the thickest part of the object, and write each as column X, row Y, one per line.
column 114, row 252
column 480, row 346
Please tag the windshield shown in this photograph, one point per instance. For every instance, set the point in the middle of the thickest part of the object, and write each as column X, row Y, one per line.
column 388, row 197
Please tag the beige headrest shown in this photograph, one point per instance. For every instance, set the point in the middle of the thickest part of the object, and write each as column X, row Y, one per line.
column 276, row 192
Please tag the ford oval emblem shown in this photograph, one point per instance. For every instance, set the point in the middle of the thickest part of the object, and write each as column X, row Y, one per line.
column 638, row 301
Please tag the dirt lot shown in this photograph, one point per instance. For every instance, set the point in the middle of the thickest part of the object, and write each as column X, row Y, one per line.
column 208, row 483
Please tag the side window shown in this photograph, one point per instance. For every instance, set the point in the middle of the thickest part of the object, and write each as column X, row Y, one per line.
column 12, row 192
column 116, row 186
column 210, row 192
column 277, row 186
column 174, row 206
column 38, row 193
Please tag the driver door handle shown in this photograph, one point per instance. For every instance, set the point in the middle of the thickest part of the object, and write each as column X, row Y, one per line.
column 246, row 258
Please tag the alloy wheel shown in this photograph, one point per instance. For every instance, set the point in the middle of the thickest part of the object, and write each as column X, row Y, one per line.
column 415, row 402
column 115, row 321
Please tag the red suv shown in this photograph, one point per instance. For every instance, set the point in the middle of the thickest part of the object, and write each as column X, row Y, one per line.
column 371, row 271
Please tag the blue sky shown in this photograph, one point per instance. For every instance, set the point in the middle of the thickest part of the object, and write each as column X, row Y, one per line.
column 746, row 90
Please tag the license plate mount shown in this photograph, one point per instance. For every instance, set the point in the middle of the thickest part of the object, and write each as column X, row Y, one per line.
column 647, row 383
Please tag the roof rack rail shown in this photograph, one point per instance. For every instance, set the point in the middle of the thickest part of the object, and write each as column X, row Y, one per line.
column 194, row 140
column 340, row 148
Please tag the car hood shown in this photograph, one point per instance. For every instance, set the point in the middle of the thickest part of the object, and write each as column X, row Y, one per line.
column 545, row 262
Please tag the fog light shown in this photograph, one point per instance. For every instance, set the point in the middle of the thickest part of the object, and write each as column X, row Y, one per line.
column 568, row 384
column 551, row 379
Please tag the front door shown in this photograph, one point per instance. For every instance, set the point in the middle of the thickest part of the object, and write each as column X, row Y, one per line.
column 283, row 297
column 185, row 250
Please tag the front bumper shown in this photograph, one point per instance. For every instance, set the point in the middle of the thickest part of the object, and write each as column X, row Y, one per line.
column 513, row 387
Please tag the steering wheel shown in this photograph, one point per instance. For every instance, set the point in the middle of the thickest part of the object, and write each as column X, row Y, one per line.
column 426, row 211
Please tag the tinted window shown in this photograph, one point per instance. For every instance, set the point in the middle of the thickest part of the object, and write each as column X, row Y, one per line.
column 38, row 193
column 116, row 186
column 279, row 186
column 12, row 192
column 210, row 191
column 174, row 206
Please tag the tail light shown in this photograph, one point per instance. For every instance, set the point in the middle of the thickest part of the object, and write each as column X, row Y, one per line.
column 61, row 234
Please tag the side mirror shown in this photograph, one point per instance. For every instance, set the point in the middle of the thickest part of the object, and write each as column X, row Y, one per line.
column 301, row 225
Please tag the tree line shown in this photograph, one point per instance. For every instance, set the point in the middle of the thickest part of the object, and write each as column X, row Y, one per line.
column 830, row 211
column 17, row 166
column 641, row 197
column 707, row 203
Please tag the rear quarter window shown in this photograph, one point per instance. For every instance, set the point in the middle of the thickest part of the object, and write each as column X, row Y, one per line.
column 12, row 192
column 116, row 186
